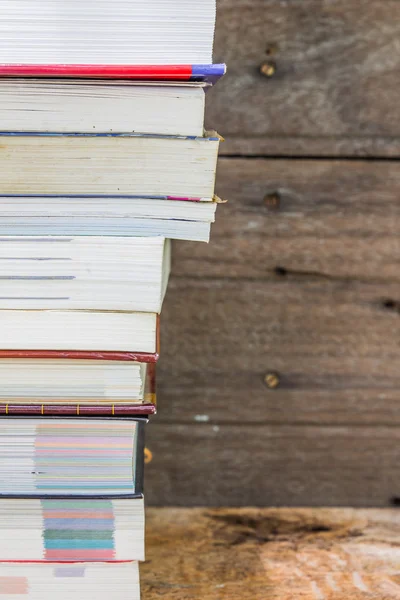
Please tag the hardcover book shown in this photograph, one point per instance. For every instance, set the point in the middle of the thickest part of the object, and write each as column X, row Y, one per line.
column 71, row 457
column 30, row 394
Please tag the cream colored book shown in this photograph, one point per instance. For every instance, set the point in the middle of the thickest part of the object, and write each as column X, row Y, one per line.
column 101, row 106
column 74, row 330
column 177, row 218
column 84, row 273
column 59, row 381
column 100, row 32
column 121, row 165
column 80, row 581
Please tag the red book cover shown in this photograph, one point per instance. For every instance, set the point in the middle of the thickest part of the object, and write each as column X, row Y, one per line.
column 207, row 73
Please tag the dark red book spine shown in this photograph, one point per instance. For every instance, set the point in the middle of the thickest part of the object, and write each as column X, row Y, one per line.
column 80, row 410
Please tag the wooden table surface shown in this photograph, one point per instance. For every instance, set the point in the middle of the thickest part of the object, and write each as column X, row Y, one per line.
column 268, row 554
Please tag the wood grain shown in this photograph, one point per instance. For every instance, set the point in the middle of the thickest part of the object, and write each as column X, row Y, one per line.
column 310, row 289
column 279, row 554
column 336, row 219
column 336, row 349
column 335, row 89
column 242, row 465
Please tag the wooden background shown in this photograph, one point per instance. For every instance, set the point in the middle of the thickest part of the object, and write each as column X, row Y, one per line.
column 301, row 279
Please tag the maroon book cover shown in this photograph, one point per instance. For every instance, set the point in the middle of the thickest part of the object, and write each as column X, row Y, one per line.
column 148, row 407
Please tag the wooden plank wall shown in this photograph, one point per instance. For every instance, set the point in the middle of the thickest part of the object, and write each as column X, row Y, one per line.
column 279, row 382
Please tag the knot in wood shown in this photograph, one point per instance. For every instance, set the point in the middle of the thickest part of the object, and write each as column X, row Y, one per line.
column 272, row 380
column 272, row 201
column 268, row 68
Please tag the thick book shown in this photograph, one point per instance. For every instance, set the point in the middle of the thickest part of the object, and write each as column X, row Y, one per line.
column 70, row 331
column 168, row 217
column 98, row 106
column 46, row 457
column 84, row 273
column 107, row 165
column 73, row 530
column 78, row 581
column 140, row 32
column 39, row 396
column 72, row 354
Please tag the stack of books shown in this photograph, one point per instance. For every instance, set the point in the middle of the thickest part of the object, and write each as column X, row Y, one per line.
column 103, row 160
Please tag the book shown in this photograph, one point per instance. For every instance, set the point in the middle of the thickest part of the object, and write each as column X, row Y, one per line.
column 78, row 330
column 99, row 106
column 71, row 530
column 84, row 273
column 143, row 32
column 81, row 581
column 178, row 229
column 171, row 217
column 71, row 457
column 62, row 387
column 71, row 381
column 107, row 165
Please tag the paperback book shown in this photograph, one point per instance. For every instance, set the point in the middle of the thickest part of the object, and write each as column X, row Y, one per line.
column 102, row 106
column 78, row 330
column 84, row 273
column 71, row 530
column 112, row 216
column 106, row 165
column 84, row 580
column 121, row 32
